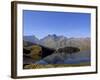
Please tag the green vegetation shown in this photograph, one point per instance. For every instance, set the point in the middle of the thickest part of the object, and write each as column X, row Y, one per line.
column 36, row 52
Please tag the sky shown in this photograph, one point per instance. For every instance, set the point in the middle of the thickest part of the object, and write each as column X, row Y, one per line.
column 43, row 23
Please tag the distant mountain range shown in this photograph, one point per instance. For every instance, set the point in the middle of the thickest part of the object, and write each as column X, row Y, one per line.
column 32, row 39
column 54, row 41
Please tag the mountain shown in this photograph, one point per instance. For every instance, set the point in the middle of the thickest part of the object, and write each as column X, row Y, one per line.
column 54, row 47
column 27, row 43
column 30, row 48
column 54, row 41
column 45, row 50
column 32, row 39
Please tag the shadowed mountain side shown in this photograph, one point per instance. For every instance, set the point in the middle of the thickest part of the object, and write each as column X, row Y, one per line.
column 45, row 50
column 35, row 52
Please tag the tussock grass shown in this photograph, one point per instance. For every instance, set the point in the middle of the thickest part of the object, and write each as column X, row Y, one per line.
column 39, row 66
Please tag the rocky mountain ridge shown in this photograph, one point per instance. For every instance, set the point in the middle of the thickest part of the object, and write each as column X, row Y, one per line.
column 55, row 41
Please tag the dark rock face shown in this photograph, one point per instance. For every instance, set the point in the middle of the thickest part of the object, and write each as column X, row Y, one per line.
column 34, row 53
column 47, row 52
column 68, row 50
column 26, row 51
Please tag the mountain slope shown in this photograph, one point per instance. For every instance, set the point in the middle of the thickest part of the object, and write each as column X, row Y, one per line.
column 54, row 41
column 32, row 39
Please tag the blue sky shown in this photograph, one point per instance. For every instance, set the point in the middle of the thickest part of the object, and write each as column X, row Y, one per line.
column 42, row 23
